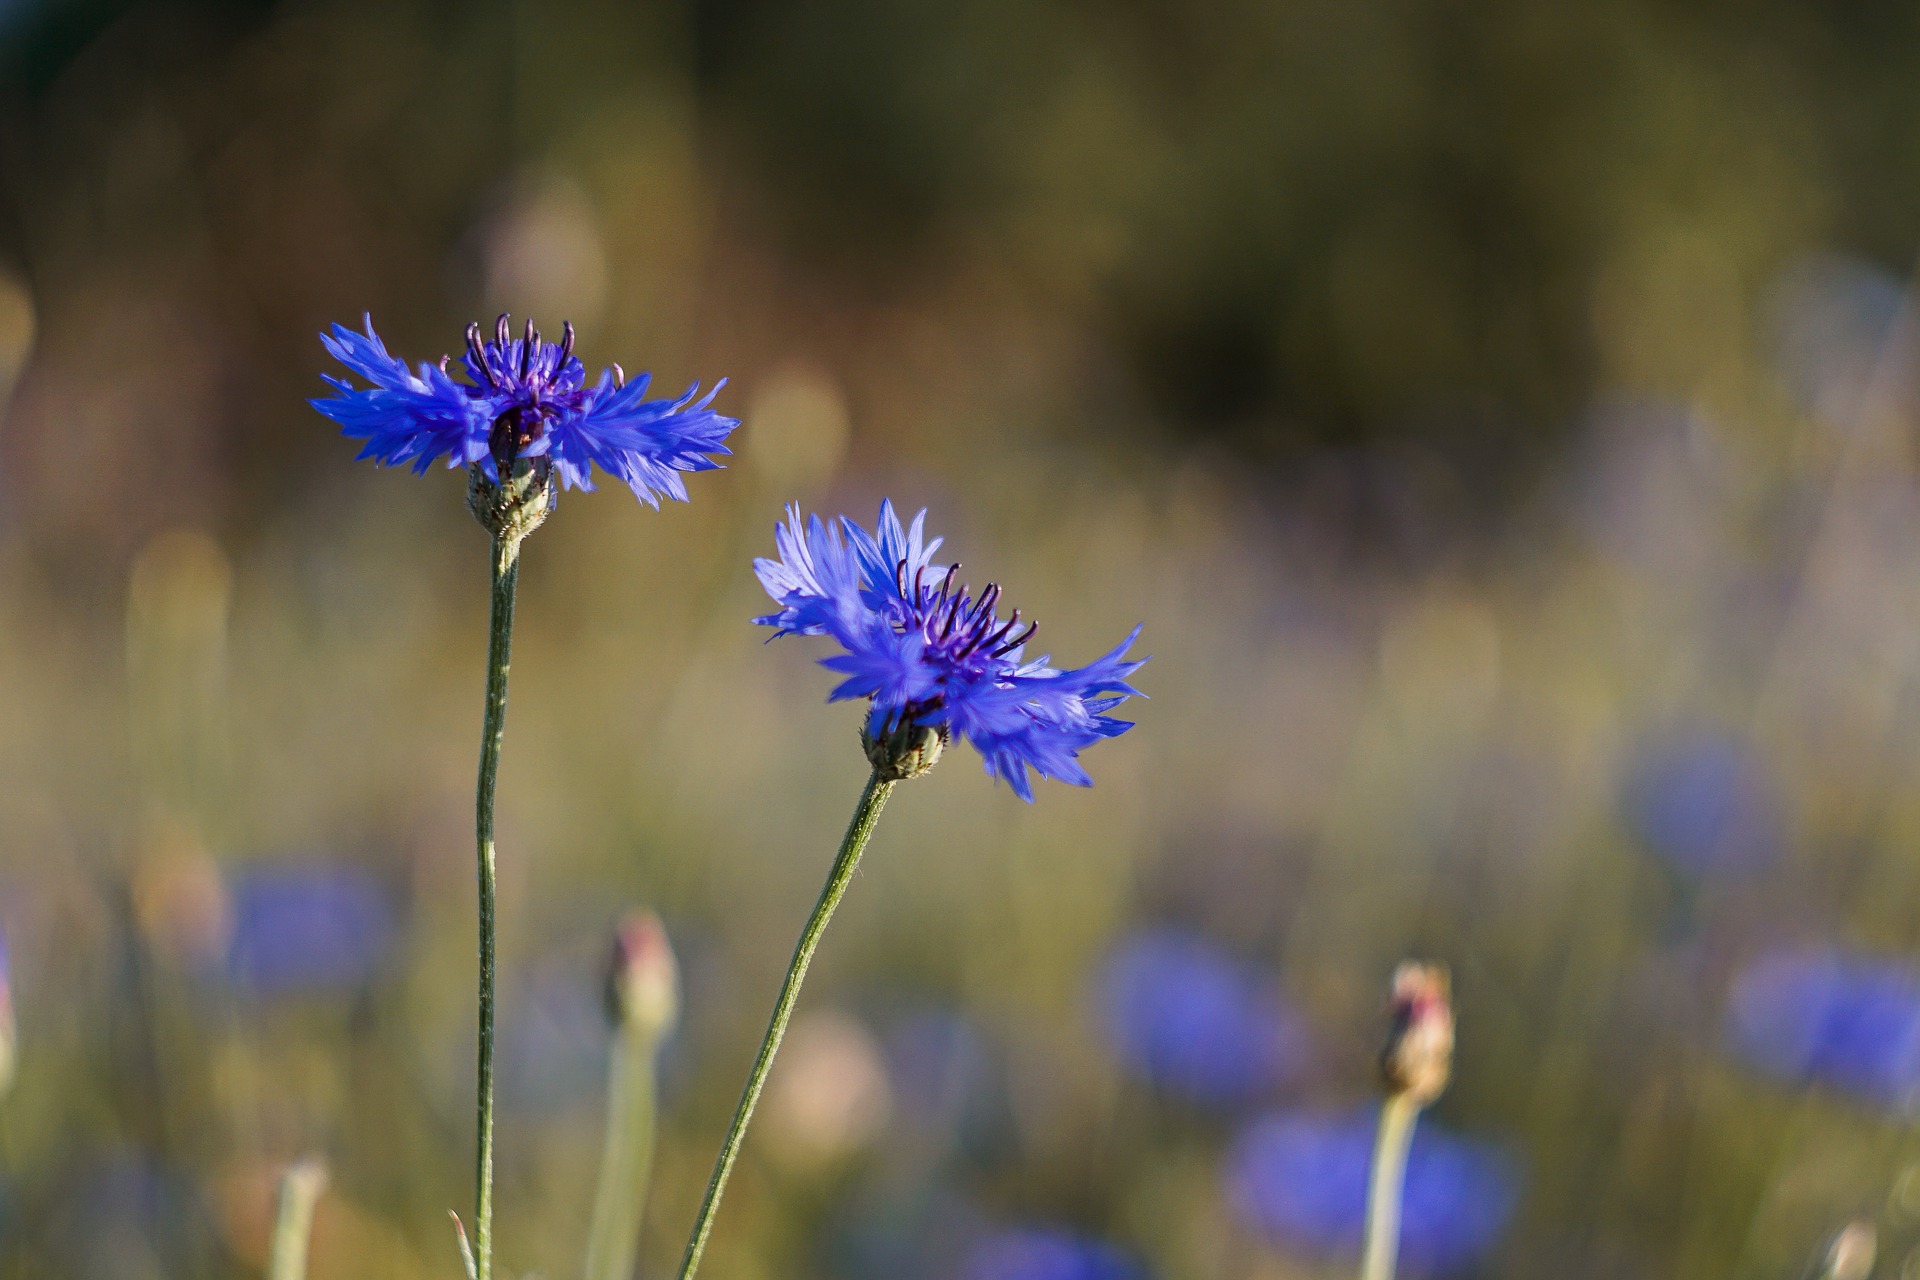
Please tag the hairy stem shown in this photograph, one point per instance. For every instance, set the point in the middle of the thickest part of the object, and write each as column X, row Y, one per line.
column 865, row 815
column 506, row 575
column 1384, row 1186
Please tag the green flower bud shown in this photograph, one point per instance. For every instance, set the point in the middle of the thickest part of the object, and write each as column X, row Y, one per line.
column 906, row 750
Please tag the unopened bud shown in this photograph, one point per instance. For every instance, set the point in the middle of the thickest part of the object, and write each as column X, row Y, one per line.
column 906, row 750
column 1418, row 1058
column 516, row 508
column 643, row 981
column 1850, row 1256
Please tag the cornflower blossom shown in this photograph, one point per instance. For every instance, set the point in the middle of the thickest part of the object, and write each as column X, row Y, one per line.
column 1706, row 802
column 1047, row 1253
column 1300, row 1180
column 930, row 655
column 1827, row 1016
column 309, row 929
column 1197, row 1023
column 523, row 398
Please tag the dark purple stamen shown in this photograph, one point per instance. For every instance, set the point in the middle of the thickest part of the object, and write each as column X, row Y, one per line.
column 953, row 610
column 956, row 620
column 977, row 635
column 1032, row 629
column 478, row 354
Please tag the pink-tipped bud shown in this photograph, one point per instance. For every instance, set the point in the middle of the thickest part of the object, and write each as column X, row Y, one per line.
column 1418, row 1059
column 643, row 980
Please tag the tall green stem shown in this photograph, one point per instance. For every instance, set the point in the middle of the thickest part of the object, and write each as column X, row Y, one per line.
column 1384, row 1186
column 865, row 815
column 506, row 575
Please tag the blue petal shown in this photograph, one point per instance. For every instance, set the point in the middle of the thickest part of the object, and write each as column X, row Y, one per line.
column 404, row 417
column 645, row 444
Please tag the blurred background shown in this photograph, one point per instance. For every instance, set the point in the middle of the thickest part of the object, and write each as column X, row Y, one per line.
column 1501, row 417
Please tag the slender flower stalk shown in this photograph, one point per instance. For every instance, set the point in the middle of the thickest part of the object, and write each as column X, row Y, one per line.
column 1385, row 1179
column 1416, row 1064
column 643, row 1001
column 506, row 577
column 525, row 423
column 865, row 815
column 300, row 1190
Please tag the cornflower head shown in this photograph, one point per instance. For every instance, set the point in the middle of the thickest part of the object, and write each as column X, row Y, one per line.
column 935, row 660
column 1831, row 1016
column 523, row 400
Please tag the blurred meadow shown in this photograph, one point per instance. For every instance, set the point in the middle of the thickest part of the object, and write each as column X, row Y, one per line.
column 1501, row 417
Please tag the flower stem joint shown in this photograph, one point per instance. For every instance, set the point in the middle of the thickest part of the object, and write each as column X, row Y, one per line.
column 905, row 749
column 515, row 509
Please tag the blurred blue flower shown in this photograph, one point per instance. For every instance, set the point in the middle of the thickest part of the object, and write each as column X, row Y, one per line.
column 522, row 398
column 1186, row 1016
column 937, row 1067
column 311, row 928
column 1047, row 1253
column 1300, row 1180
column 926, row 652
column 1705, row 801
column 1823, row 1015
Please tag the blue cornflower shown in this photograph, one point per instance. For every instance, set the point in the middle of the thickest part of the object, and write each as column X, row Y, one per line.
column 1706, row 802
column 932, row 656
column 1824, row 1015
column 308, row 929
column 522, row 398
column 1300, row 1179
column 1047, row 1253
column 1195, row 1022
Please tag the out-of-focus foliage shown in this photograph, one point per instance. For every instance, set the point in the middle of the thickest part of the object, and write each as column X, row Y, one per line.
column 1501, row 417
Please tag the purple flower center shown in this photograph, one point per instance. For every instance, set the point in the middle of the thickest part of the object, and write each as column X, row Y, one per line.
column 536, row 380
column 955, row 624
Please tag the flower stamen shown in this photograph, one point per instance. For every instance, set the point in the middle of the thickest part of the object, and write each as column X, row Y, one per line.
column 477, row 355
column 1033, row 629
